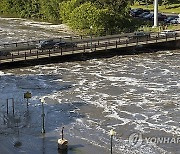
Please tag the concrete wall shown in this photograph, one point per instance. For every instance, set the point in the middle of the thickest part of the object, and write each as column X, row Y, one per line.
column 175, row 44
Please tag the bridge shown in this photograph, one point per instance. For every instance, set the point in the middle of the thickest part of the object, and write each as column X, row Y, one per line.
column 27, row 51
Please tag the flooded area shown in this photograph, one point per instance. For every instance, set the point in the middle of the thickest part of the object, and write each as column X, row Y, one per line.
column 136, row 95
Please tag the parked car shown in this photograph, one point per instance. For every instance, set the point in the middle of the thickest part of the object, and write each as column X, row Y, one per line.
column 143, row 14
column 175, row 21
column 4, row 53
column 168, row 19
column 139, row 34
column 135, row 12
column 168, row 33
column 65, row 45
column 149, row 16
column 47, row 44
column 144, row 11
column 161, row 17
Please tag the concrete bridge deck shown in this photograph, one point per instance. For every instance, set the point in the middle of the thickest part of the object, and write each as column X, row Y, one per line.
column 26, row 51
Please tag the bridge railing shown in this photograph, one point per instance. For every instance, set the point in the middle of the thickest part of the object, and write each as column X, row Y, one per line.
column 83, row 46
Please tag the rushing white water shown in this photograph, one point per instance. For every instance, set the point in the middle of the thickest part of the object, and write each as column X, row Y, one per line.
column 134, row 93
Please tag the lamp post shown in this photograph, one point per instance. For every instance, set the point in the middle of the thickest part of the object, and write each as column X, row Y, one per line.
column 43, row 116
column 91, row 35
column 155, row 13
column 111, row 133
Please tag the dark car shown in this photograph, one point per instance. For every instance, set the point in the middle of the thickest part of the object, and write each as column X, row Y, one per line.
column 136, row 12
column 65, row 45
column 139, row 34
column 161, row 17
column 4, row 53
column 143, row 14
column 149, row 16
column 168, row 19
column 47, row 44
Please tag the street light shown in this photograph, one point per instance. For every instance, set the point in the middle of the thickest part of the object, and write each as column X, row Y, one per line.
column 91, row 35
column 111, row 133
column 43, row 116
column 155, row 13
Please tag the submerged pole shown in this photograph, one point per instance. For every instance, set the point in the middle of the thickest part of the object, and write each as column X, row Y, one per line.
column 43, row 120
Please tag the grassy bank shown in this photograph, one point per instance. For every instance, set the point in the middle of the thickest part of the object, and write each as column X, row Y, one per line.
column 172, row 9
column 159, row 29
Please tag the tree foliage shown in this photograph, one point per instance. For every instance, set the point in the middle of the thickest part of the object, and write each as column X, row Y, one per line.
column 103, row 15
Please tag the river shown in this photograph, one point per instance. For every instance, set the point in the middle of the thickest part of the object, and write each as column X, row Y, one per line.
column 135, row 95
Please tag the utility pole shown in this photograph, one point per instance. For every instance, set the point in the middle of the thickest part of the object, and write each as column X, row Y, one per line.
column 155, row 13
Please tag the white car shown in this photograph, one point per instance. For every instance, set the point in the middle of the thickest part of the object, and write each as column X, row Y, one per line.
column 168, row 33
column 175, row 21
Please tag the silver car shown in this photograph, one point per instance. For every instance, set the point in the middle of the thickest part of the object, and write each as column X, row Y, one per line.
column 168, row 33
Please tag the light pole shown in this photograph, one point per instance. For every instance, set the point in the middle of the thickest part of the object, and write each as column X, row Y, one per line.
column 91, row 35
column 111, row 133
column 43, row 116
column 155, row 13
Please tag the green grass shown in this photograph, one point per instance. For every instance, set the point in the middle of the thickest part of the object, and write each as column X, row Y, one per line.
column 159, row 29
column 173, row 8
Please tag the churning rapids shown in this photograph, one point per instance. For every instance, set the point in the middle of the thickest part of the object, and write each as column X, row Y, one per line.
column 130, row 94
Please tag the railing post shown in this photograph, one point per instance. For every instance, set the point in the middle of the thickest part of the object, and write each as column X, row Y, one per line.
column 37, row 54
column 25, row 55
column 98, row 42
column 137, row 41
column 156, row 39
column 126, row 42
column 146, row 39
column 61, row 51
column 49, row 53
column 12, row 57
column 116, row 44
column 84, row 48
column 166, row 37
column 119, row 39
column 95, row 47
column 175, row 36
column 106, row 46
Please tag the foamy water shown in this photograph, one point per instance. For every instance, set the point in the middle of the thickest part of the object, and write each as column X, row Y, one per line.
column 134, row 93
